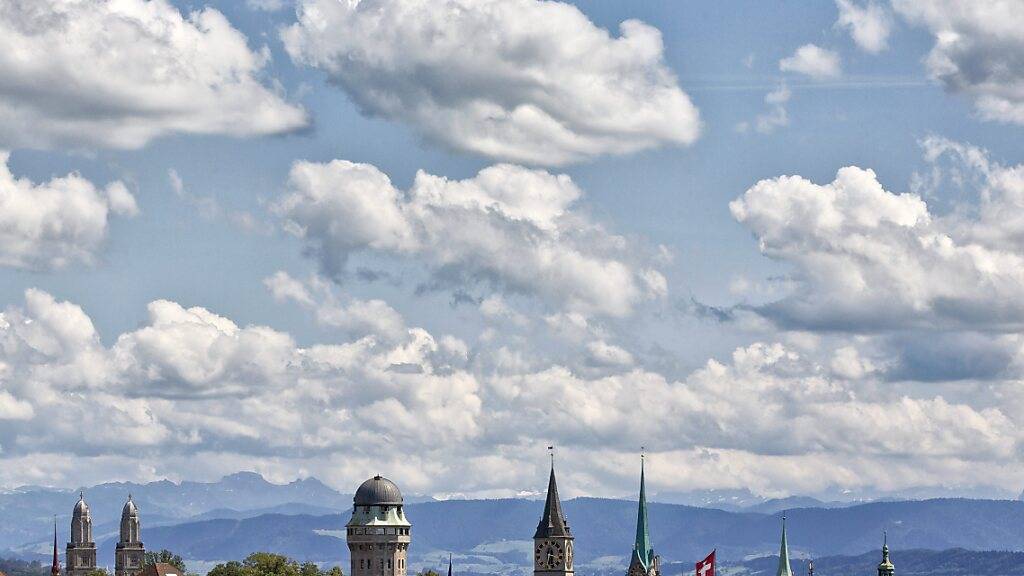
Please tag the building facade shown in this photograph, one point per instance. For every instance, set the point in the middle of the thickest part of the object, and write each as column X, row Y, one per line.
column 378, row 534
column 81, row 550
column 130, row 554
column 553, row 541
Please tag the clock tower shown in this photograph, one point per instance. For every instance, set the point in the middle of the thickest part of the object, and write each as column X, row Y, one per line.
column 552, row 543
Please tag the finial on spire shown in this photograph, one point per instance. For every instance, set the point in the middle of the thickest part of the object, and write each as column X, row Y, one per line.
column 885, row 537
column 551, row 452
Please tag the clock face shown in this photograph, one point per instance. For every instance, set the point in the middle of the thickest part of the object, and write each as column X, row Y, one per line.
column 550, row 555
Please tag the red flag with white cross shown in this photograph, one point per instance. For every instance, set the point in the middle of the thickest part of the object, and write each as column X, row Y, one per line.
column 706, row 567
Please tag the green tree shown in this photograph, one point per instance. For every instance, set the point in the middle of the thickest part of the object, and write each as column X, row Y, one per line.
column 98, row 572
column 166, row 557
column 269, row 564
column 231, row 568
column 428, row 572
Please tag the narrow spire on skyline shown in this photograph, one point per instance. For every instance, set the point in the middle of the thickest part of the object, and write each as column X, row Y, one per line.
column 55, row 567
column 784, row 569
column 642, row 550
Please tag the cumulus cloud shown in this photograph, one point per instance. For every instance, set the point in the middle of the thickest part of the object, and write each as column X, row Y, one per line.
column 190, row 380
column 978, row 51
column 118, row 74
column 869, row 25
column 512, row 228
column 54, row 224
column 814, row 61
column 191, row 385
column 865, row 258
column 520, row 80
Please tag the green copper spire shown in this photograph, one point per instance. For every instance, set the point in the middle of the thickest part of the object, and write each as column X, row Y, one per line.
column 885, row 567
column 642, row 550
column 784, row 569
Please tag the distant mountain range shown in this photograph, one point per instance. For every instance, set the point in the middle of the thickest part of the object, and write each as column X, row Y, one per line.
column 243, row 513
column 163, row 502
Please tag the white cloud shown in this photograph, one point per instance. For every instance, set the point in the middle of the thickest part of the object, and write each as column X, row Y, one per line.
column 118, row 74
column 814, row 61
column 54, row 224
column 776, row 117
column 515, row 229
column 869, row 25
column 358, row 317
column 978, row 51
column 520, row 80
column 602, row 353
column 192, row 386
column 868, row 259
column 266, row 5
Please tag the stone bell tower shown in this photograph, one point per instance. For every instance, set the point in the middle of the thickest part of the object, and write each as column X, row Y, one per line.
column 378, row 534
column 552, row 542
column 130, row 554
column 81, row 551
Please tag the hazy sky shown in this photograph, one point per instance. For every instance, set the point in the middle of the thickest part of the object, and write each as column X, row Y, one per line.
column 780, row 244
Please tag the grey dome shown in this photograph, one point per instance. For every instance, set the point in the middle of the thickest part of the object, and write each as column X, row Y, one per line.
column 81, row 508
column 378, row 491
column 129, row 509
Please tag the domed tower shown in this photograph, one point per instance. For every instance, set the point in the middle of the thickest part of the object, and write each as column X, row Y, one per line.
column 81, row 551
column 130, row 555
column 378, row 533
column 885, row 567
column 552, row 542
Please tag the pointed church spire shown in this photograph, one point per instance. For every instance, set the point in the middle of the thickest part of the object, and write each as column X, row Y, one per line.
column 784, row 569
column 642, row 550
column 553, row 522
column 449, row 564
column 55, row 567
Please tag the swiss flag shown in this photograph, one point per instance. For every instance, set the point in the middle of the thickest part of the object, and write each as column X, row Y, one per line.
column 706, row 567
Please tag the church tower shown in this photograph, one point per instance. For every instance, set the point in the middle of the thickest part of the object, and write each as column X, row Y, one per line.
column 552, row 543
column 784, row 569
column 130, row 555
column 644, row 562
column 378, row 534
column 55, row 567
column 885, row 567
column 81, row 551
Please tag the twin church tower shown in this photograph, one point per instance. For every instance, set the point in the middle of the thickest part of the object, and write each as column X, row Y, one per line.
column 129, row 557
column 378, row 534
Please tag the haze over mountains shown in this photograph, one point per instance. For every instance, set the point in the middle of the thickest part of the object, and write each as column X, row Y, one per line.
column 242, row 513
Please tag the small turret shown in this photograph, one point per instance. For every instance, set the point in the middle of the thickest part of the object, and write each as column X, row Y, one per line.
column 885, row 567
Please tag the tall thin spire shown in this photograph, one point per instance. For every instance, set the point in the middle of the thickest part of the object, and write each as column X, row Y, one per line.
column 449, row 564
column 784, row 569
column 553, row 522
column 642, row 547
column 55, row 567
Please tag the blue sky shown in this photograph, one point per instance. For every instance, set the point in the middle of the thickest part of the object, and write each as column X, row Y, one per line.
column 628, row 303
